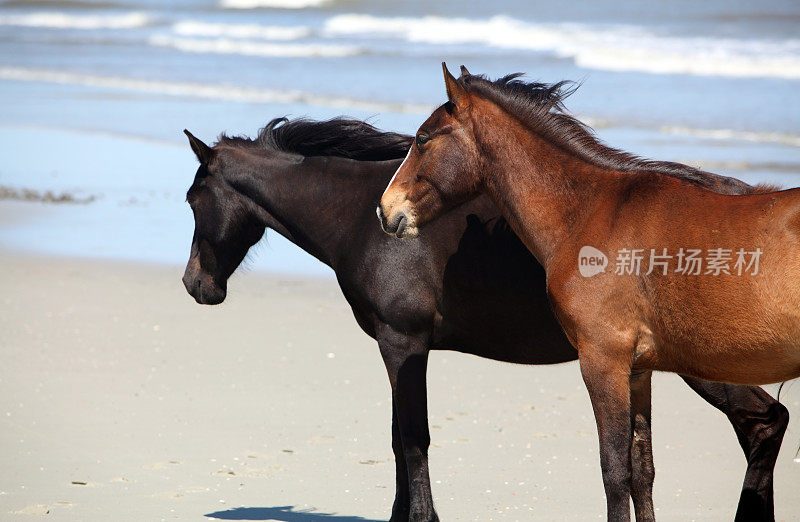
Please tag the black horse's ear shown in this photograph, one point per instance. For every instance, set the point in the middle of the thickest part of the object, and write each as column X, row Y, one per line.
column 464, row 71
column 201, row 150
column 455, row 91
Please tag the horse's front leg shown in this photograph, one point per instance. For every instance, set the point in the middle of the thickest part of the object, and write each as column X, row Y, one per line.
column 406, row 360
column 760, row 422
column 643, row 471
column 401, row 506
column 607, row 380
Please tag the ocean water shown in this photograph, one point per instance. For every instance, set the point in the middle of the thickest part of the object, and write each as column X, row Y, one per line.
column 95, row 93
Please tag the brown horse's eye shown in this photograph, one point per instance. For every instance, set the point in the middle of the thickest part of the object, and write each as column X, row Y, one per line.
column 422, row 139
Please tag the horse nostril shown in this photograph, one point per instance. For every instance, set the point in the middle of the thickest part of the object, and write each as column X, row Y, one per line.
column 401, row 226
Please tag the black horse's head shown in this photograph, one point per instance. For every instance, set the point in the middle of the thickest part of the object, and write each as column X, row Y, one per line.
column 226, row 225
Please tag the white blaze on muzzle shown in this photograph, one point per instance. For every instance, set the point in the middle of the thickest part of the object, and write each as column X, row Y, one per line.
column 398, row 170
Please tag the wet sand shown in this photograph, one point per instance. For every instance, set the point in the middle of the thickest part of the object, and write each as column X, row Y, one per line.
column 122, row 399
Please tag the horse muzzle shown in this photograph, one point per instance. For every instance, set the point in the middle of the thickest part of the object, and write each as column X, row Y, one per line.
column 399, row 223
column 202, row 286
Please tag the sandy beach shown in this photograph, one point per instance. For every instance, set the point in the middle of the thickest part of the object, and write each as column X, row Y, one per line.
column 122, row 399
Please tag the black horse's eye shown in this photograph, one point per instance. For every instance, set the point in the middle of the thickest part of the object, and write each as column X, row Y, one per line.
column 422, row 139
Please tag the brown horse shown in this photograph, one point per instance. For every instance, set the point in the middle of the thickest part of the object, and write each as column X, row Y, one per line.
column 721, row 297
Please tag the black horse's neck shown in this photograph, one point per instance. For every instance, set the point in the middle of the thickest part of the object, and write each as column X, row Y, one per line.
column 317, row 202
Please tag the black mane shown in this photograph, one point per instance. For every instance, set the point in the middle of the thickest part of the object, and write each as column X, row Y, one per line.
column 345, row 138
column 540, row 106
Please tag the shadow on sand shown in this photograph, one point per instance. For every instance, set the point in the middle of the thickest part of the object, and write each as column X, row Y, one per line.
column 284, row 514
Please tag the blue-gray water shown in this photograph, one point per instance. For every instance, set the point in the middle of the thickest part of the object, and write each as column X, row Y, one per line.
column 96, row 93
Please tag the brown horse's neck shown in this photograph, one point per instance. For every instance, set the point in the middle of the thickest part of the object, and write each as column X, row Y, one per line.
column 543, row 191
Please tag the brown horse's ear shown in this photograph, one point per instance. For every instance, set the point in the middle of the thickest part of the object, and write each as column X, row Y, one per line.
column 201, row 150
column 455, row 91
column 464, row 71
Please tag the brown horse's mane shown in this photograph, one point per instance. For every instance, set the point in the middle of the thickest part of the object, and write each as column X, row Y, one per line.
column 540, row 106
column 342, row 137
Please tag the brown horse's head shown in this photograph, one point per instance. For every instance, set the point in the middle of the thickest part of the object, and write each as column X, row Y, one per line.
column 441, row 169
column 226, row 225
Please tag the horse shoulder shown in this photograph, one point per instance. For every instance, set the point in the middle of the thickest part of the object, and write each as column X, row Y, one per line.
column 390, row 286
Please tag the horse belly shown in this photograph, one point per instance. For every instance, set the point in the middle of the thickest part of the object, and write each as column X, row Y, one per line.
column 752, row 349
column 734, row 327
column 763, row 365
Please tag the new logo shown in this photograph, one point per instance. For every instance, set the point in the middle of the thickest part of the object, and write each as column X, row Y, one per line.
column 591, row 261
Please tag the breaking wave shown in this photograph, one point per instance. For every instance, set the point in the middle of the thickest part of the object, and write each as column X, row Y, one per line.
column 607, row 47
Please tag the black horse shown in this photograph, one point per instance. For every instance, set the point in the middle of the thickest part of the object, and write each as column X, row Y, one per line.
column 468, row 284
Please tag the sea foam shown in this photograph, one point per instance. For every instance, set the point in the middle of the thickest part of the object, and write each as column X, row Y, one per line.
column 207, row 91
column 253, row 31
column 275, row 4
column 252, row 48
column 734, row 135
column 56, row 20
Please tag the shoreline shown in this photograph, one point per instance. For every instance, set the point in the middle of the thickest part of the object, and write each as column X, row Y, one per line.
column 140, row 214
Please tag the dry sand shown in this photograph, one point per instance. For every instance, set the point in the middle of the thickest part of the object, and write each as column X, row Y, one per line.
column 122, row 399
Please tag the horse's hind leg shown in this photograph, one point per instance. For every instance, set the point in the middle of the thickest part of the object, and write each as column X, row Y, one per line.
column 760, row 422
column 406, row 360
column 642, row 469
